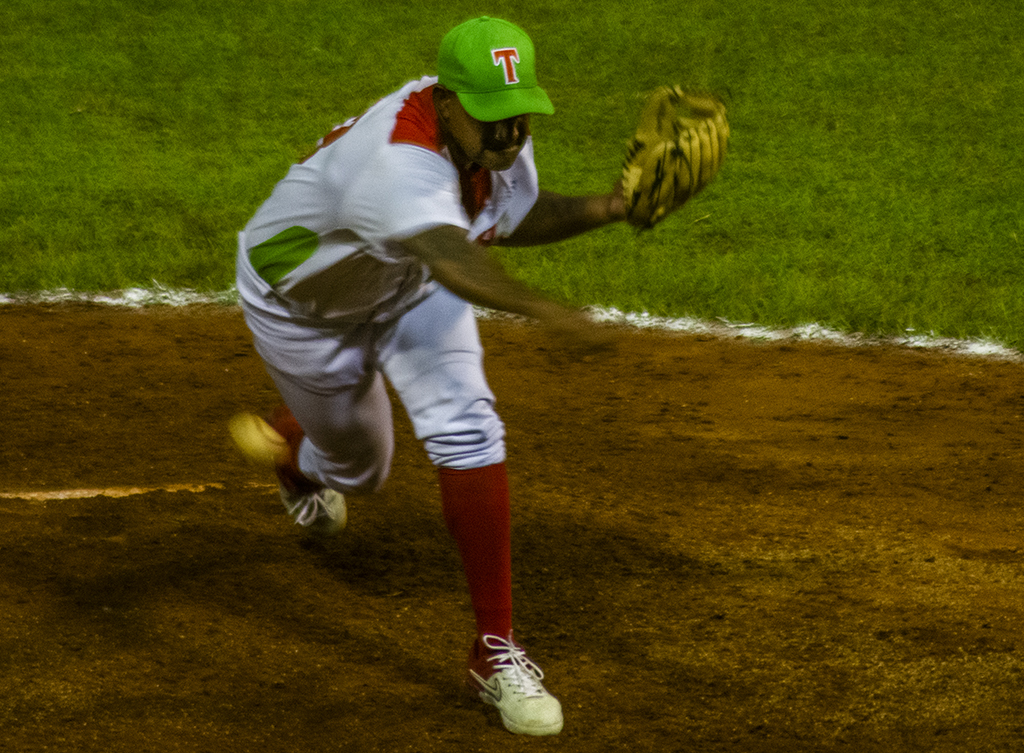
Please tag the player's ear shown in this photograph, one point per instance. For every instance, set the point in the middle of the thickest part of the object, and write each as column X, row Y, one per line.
column 443, row 102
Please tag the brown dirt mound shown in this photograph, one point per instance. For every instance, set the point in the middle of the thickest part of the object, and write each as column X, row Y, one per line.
column 719, row 546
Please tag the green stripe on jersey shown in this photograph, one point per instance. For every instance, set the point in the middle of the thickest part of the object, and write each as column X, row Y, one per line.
column 276, row 257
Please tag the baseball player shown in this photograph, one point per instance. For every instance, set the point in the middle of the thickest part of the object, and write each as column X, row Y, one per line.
column 362, row 266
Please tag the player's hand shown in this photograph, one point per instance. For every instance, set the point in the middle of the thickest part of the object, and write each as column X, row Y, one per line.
column 617, row 203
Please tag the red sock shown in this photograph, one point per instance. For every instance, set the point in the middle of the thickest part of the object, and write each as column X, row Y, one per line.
column 285, row 424
column 477, row 512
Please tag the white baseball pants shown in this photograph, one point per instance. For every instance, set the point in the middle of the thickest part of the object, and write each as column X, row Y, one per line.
column 332, row 379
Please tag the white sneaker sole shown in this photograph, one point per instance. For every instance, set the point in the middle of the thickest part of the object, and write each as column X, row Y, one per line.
column 545, row 710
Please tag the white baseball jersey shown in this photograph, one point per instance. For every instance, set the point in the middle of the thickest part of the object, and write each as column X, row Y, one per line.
column 326, row 240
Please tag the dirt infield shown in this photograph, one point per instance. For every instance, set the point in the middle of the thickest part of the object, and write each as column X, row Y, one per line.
column 719, row 546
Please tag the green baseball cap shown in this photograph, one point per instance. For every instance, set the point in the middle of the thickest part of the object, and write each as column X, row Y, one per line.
column 489, row 64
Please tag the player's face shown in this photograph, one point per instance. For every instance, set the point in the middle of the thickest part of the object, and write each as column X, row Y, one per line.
column 492, row 145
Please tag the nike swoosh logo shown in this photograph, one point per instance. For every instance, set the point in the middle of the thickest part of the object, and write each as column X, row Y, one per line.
column 491, row 688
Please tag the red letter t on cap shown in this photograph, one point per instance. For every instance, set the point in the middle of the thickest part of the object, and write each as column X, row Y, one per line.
column 507, row 57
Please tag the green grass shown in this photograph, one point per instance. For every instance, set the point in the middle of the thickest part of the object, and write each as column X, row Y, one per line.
column 874, row 181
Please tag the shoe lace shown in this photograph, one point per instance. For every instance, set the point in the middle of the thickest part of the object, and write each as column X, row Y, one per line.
column 309, row 507
column 511, row 660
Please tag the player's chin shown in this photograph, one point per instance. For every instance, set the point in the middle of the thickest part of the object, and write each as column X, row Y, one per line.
column 500, row 160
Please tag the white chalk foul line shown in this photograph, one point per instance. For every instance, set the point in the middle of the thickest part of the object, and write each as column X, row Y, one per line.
column 811, row 332
column 115, row 492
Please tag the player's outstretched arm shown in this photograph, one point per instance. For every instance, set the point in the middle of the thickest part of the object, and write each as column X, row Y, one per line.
column 556, row 217
column 471, row 273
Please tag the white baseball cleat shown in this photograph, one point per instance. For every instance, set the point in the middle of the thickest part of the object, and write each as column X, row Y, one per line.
column 319, row 510
column 504, row 677
column 322, row 512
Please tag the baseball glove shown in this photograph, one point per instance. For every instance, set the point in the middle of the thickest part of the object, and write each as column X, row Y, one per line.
column 672, row 156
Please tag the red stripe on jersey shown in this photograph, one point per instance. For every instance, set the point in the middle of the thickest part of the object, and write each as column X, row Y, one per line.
column 416, row 123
